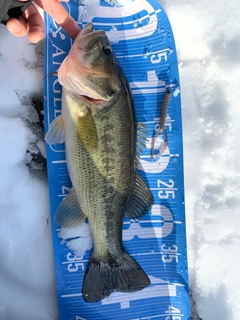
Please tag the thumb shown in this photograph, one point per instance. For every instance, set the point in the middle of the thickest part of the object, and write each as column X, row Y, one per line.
column 17, row 27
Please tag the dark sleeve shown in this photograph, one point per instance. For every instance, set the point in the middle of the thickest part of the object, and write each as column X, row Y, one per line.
column 12, row 9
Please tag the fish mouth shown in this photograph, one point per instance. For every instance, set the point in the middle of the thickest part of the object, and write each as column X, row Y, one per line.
column 94, row 100
column 88, row 28
column 88, row 37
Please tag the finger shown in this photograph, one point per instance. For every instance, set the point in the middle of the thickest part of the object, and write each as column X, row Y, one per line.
column 18, row 27
column 60, row 15
column 35, row 24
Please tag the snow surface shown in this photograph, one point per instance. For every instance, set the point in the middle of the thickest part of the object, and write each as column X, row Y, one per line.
column 207, row 35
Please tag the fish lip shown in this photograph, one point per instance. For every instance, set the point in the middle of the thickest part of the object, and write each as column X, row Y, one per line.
column 95, row 101
column 93, row 33
column 88, row 48
column 88, row 32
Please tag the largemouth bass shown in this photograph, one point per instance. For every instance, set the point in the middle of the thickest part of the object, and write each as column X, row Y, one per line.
column 99, row 128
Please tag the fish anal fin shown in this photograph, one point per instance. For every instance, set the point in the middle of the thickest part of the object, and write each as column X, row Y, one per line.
column 55, row 132
column 69, row 213
column 141, row 199
column 86, row 129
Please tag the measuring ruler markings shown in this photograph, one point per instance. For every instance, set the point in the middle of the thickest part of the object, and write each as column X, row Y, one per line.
column 156, row 241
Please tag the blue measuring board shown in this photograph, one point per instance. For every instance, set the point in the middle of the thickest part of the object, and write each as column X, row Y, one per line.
column 145, row 48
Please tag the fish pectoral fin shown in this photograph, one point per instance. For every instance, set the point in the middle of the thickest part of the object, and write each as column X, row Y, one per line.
column 55, row 132
column 69, row 213
column 86, row 129
column 141, row 200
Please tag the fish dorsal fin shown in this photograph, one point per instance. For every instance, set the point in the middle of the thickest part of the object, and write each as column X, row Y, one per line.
column 69, row 213
column 86, row 129
column 141, row 200
column 141, row 128
column 141, row 137
column 55, row 132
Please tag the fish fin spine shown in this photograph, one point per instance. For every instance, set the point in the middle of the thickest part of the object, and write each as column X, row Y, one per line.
column 141, row 138
column 141, row 199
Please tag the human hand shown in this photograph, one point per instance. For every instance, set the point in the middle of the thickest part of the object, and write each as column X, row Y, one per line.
column 31, row 21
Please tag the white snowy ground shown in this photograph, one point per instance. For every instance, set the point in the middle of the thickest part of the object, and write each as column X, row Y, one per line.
column 207, row 35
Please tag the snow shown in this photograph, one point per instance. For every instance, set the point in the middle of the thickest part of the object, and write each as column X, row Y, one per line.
column 26, row 264
column 78, row 239
column 207, row 36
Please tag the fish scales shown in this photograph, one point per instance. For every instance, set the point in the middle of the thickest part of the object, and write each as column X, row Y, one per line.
column 99, row 128
column 104, row 176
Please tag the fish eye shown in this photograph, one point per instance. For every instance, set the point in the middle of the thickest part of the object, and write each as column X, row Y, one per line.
column 107, row 51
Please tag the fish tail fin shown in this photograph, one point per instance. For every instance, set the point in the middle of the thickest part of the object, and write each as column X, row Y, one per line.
column 104, row 277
